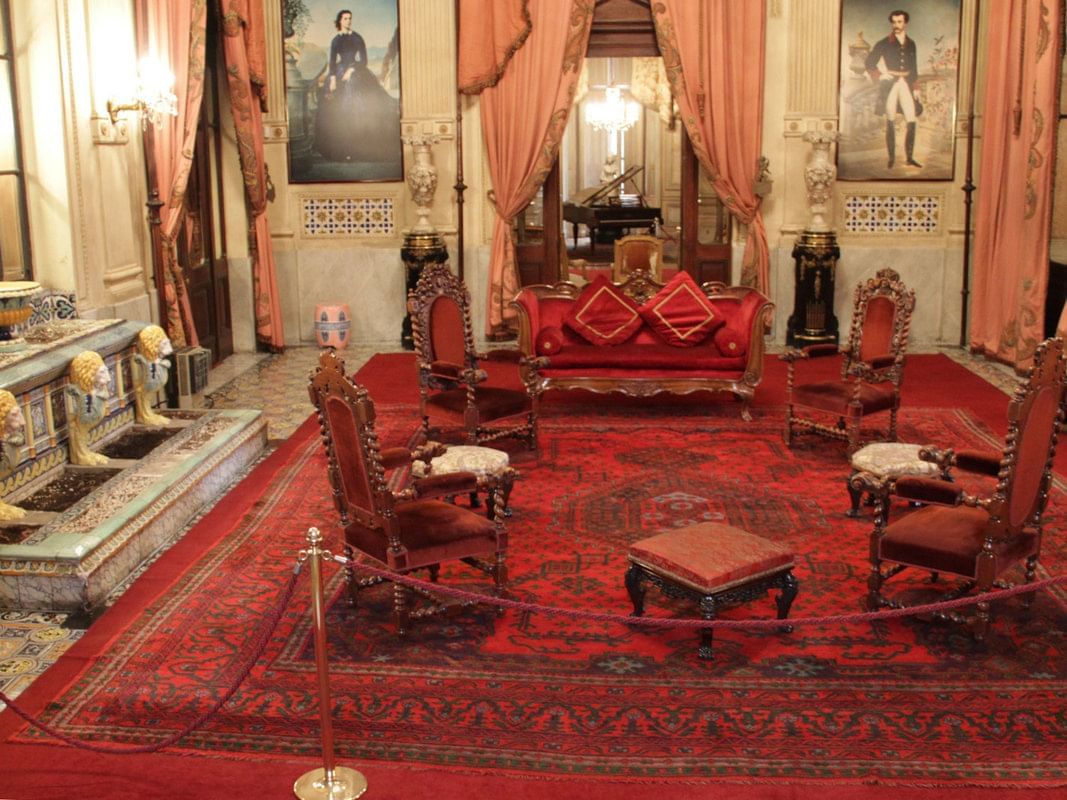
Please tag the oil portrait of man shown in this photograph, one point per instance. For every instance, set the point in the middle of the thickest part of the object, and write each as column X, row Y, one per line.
column 899, row 77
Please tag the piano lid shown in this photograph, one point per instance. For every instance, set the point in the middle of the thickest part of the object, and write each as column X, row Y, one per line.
column 595, row 194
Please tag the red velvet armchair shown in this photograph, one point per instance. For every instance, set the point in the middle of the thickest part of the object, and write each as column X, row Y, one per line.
column 872, row 367
column 403, row 530
column 453, row 391
column 977, row 538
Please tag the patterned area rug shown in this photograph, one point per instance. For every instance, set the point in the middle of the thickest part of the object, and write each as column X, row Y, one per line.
column 904, row 703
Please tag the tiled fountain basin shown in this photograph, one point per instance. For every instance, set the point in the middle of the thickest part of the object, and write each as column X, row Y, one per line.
column 70, row 560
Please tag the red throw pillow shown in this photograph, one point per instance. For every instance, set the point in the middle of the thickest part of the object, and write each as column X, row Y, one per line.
column 681, row 313
column 602, row 314
column 730, row 342
column 549, row 341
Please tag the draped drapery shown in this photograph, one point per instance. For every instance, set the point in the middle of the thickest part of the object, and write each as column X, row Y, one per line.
column 489, row 35
column 1015, row 179
column 713, row 54
column 523, row 118
column 173, row 31
column 244, row 48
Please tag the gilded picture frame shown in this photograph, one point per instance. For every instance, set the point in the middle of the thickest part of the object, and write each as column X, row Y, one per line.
column 899, row 77
column 342, row 86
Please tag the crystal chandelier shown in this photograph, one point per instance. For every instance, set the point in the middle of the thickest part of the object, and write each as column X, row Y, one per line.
column 612, row 114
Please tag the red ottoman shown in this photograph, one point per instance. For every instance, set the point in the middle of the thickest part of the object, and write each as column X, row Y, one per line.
column 715, row 565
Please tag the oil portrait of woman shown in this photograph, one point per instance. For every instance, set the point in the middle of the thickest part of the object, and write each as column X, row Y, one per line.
column 343, row 90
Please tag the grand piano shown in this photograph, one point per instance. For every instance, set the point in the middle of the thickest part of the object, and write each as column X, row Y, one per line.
column 605, row 207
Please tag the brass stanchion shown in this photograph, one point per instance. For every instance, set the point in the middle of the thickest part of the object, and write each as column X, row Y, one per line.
column 328, row 782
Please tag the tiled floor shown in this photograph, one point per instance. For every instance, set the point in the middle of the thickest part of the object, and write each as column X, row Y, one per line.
column 276, row 384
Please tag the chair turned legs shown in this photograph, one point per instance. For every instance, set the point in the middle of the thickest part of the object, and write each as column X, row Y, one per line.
column 400, row 609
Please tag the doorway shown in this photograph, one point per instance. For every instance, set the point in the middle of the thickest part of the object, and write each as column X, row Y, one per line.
column 202, row 240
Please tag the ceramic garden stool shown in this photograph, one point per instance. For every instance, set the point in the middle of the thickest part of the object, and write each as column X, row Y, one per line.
column 713, row 564
column 333, row 323
column 886, row 461
column 485, row 462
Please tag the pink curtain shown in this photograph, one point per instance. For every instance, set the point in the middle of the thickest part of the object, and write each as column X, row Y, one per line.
column 713, row 53
column 523, row 118
column 244, row 48
column 173, row 31
column 1015, row 175
column 489, row 35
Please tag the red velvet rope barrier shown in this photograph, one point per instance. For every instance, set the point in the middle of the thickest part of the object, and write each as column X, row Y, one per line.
column 267, row 630
column 259, row 644
column 660, row 622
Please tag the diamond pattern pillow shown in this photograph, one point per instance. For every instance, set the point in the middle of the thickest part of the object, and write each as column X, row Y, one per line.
column 603, row 315
column 681, row 313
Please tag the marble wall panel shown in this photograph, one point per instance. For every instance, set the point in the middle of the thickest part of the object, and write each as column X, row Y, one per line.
column 369, row 280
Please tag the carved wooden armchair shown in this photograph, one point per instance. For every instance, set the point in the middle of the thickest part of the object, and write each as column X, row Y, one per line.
column 453, row 391
column 637, row 252
column 872, row 367
column 978, row 538
column 403, row 530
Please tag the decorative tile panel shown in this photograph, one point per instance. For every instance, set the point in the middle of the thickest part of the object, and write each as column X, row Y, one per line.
column 49, row 306
column 348, row 216
column 893, row 213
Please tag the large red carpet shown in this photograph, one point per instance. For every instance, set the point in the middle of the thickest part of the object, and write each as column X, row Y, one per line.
column 537, row 706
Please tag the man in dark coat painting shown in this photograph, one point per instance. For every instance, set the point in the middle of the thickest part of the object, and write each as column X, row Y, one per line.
column 893, row 63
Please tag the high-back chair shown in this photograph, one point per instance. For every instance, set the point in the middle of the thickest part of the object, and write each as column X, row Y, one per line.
column 872, row 367
column 453, row 391
column 401, row 530
column 637, row 252
column 978, row 537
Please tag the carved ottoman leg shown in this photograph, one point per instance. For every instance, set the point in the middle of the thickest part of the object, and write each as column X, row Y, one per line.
column 789, row 586
column 634, row 577
column 707, row 611
column 855, row 494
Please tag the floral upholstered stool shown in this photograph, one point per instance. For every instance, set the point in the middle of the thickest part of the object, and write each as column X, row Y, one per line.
column 713, row 564
column 884, row 461
column 485, row 462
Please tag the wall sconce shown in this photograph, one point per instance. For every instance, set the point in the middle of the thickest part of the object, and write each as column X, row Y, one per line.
column 154, row 97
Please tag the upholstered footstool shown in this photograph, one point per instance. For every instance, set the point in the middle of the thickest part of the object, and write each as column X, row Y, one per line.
column 485, row 462
column 713, row 564
column 886, row 461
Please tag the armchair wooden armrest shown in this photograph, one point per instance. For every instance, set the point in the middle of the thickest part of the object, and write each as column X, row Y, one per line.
column 393, row 457
column 447, row 484
column 929, row 490
column 511, row 355
column 975, row 461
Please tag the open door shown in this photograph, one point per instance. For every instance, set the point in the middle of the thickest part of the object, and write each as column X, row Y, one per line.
column 201, row 245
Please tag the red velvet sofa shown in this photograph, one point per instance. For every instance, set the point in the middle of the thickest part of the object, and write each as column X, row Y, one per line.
column 730, row 358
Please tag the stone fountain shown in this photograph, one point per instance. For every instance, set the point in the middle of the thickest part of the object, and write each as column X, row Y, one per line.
column 86, row 528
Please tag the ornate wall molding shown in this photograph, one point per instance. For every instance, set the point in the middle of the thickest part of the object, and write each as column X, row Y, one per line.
column 813, row 43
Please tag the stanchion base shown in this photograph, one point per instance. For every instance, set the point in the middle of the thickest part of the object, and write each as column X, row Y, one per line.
column 347, row 784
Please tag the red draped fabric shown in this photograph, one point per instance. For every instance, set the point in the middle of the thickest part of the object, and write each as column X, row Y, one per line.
column 173, row 32
column 489, row 35
column 1015, row 177
column 245, row 48
column 523, row 117
column 713, row 54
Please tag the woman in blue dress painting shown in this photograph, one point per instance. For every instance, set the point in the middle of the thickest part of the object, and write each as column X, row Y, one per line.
column 357, row 119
